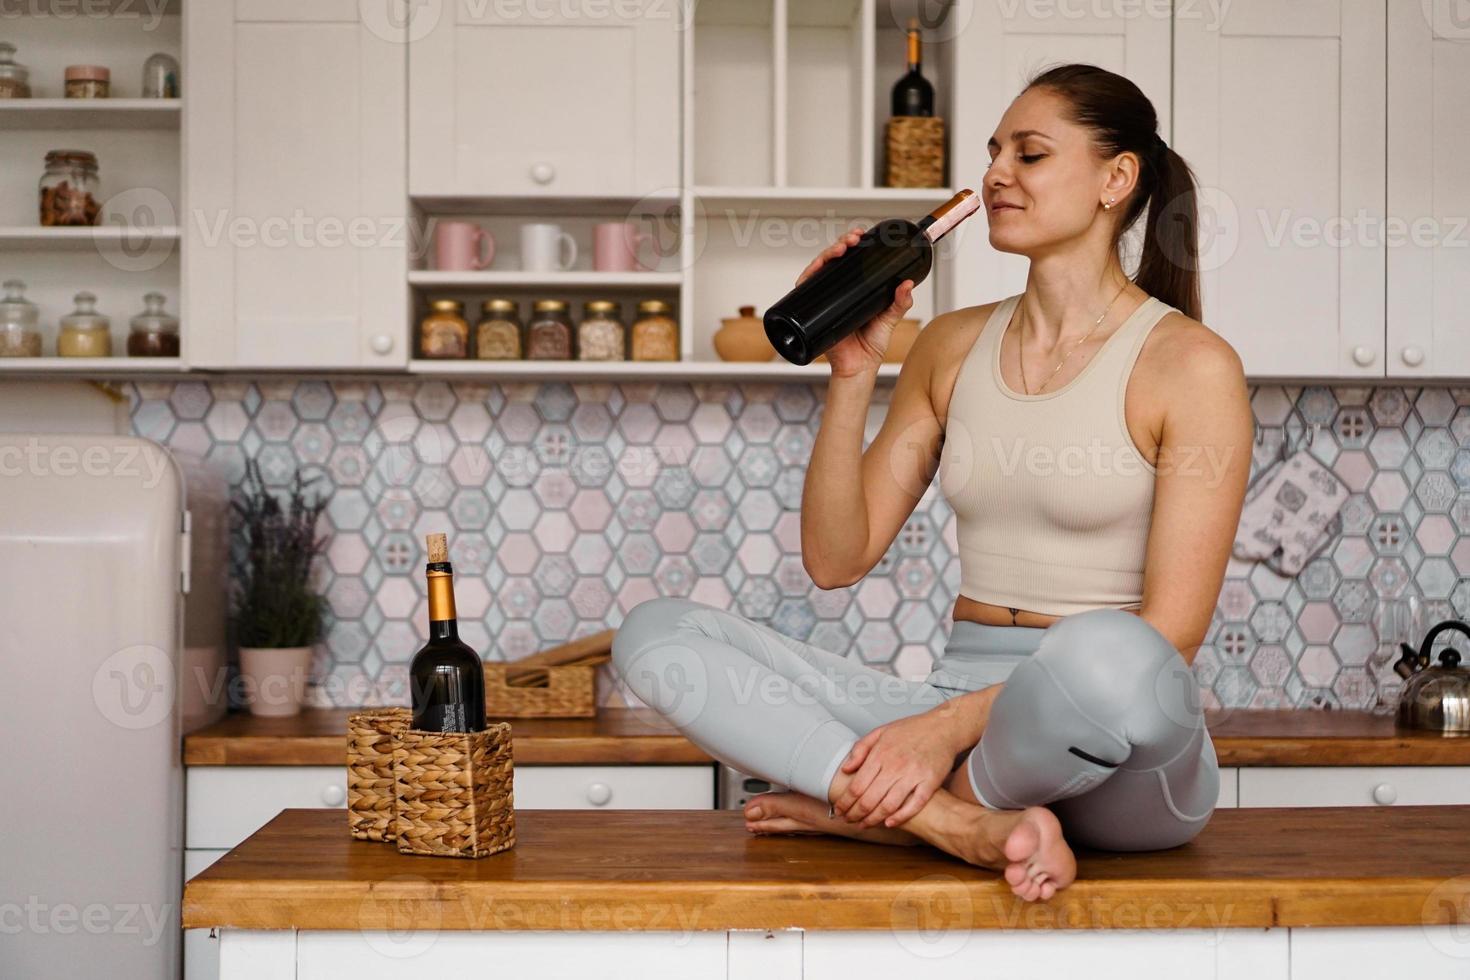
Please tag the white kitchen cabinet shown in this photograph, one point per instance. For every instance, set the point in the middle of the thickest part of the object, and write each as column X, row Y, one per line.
column 1280, row 110
column 1428, row 228
column 1229, row 788
column 226, row 804
column 295, row 244
column 544, row 99
column 201, row 951
column 1354, row 785
column 1003, row 45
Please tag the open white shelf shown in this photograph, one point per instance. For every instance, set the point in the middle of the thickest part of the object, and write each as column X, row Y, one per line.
column 90, row 365
column 775, row 370
column 75, row 238
column 68, row 114
column 515, row 278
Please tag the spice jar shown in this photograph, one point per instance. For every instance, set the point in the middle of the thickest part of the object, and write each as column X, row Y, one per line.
column 15, row 79
column 84, row 331
column 444, row 333
column 655, row 332
column 18, row 334
column 160, row 77
column 87, row 82
column 549, row 334
column 153, row 332
column 600, row 335
column 69, row 189
column 498, row 336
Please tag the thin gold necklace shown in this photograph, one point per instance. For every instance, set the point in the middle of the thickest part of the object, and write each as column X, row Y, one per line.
column 1021, row 362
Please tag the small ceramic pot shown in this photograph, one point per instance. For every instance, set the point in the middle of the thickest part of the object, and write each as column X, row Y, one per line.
column 743, row 338
column 274, row 679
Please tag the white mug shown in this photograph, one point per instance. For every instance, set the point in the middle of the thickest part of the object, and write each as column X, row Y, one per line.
column 542, row 246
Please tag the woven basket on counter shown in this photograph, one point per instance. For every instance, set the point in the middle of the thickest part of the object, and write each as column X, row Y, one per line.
column 371, row 736
column 453, row 792
column 915, row 151
column 569, row 691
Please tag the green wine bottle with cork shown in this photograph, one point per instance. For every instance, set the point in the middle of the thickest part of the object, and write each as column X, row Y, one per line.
column 446, row 678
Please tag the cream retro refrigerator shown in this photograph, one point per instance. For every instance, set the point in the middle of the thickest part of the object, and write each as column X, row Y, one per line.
column 93, row 567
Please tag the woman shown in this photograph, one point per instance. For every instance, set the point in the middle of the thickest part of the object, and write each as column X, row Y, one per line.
column 1093, row 439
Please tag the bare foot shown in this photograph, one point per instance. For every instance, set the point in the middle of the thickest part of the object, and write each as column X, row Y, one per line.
column 1026, row 844
column 797, row 813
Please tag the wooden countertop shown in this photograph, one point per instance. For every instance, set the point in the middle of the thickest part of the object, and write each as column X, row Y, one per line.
column 640, row 735
column 699, row 869
column 318, row 737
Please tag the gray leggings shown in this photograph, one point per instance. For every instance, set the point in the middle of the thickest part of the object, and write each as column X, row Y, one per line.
column 1099, row 719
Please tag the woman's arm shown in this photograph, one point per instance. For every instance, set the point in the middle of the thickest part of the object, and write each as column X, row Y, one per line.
column 1203, row 467
column 854, row 502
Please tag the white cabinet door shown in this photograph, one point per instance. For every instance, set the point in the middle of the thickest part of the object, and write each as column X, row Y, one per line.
column 1229, row 788
column 998, row 50
column 543, row 98
column 1354, row 785
column 1428, row 193
column 1279, row 109
column 295, row 245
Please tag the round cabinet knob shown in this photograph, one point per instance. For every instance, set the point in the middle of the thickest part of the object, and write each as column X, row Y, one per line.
column 334, row 795
column 599, row 793
column 1413, row 356
column 1362, row 356
column 382, row 344
column 1385, row 793
column 543, row 172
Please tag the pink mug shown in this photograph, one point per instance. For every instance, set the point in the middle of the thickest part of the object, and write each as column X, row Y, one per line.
column 462, row 245
column 615, row 247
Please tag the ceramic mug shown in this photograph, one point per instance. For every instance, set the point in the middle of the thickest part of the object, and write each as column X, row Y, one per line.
column 462, row 245
column 615, row 247
column 542, row 246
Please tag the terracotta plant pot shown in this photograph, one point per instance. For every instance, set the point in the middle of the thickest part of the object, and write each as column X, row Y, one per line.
column 743, row 338
column 274, row 679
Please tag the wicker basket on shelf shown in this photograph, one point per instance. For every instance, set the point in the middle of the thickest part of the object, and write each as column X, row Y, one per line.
column 915, row 151
column 558, row 692
column 454, row 792
column 371, row 736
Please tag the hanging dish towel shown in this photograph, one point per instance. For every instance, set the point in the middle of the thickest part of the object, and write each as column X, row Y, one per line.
column 1288, row 510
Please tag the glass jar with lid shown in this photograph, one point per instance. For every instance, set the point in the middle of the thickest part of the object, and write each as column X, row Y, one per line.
column 655, row 332
column 444, row 334
column 153, row 332
column 161, row 76
column 549, row 332
column 601, row 335
column 15, row 79
column 88, row 82
column 498, row 335
column 69, row 189
column 84, row 331
column 19, row 336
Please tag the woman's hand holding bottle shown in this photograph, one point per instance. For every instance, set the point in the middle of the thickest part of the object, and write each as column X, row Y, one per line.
column 862, row 351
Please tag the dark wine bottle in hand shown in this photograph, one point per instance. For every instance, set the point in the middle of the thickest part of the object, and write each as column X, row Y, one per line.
column 852, row 288
column 446, row 677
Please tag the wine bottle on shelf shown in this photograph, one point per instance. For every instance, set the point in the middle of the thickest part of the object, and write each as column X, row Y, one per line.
column 446, row 678
column 912, row 94
column 848, row 291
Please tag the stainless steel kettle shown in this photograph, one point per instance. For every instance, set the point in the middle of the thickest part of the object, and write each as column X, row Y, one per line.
column 1435, row 697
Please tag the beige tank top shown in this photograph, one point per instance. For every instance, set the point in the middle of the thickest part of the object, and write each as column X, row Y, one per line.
column 1052, row 499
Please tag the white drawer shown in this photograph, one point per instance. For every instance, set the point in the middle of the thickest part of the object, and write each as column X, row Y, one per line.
column 1354, row 785
column 226, row 804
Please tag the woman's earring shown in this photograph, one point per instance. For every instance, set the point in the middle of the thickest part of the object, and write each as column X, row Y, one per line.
column 1109, row 206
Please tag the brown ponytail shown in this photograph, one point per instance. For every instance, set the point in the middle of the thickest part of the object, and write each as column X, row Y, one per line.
column 1122, row 119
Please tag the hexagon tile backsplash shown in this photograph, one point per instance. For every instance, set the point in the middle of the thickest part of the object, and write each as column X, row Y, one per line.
column 569, row 504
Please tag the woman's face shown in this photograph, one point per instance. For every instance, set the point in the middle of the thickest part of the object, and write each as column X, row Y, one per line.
column 1045, row 183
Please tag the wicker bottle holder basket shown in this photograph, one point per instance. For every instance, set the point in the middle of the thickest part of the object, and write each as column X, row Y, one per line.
column 570, row 692
column 915, row 151
column 454, row 792
column 440, row 793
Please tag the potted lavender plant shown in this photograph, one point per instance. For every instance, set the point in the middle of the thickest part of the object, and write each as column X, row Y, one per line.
column 277, row 613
